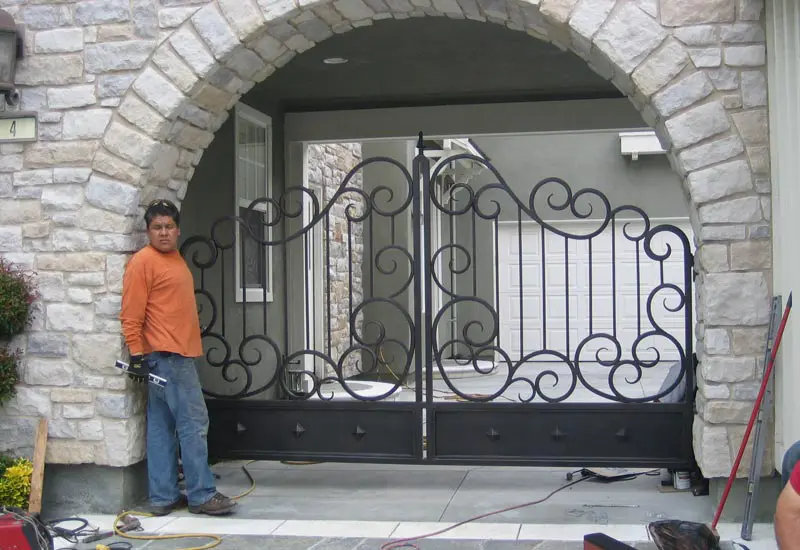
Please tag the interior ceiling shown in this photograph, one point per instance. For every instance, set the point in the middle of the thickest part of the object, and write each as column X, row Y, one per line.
column 430, row 61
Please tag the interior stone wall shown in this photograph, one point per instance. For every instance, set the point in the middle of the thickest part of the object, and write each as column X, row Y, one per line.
column 328, row 165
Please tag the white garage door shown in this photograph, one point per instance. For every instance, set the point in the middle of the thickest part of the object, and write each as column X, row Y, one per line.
column 538, row 280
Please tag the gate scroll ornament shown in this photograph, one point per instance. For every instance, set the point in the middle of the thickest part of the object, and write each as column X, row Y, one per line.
column 405, row 326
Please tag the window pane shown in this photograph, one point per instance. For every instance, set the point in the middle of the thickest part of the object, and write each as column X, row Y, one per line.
column 262, row 190
column 253, row 264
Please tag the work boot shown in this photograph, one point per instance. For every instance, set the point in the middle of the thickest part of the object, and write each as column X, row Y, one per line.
column 182, row 502
column 218, row 505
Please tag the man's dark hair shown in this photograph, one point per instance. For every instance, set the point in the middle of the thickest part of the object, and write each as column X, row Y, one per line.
column 162, row 207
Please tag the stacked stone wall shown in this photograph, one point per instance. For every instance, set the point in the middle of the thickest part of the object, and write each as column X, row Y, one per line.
column 129, row 94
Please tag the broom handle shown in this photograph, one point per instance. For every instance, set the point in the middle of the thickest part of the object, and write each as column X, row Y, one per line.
column 754, row 414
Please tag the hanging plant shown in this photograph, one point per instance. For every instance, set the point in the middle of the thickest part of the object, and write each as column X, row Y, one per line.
column 17, row 294
column 9, row 374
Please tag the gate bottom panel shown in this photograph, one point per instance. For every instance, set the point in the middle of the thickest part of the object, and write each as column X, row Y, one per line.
column 301, row 430
column 632, row 435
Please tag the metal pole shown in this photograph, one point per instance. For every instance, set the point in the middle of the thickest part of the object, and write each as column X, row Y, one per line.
column 760, row 436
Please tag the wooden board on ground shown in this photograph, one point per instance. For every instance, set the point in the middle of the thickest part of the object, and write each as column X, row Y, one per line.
column 37, row 478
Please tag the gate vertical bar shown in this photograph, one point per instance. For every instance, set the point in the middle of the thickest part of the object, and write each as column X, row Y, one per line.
column 422, row 249
column 419, row 166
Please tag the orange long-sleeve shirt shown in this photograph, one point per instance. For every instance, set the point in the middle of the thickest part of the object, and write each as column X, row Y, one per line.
column 159, row 310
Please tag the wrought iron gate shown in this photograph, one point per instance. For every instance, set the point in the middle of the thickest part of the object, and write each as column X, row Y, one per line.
column 419, row 282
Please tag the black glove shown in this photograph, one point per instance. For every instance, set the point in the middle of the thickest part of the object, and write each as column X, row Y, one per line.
column 138, row 369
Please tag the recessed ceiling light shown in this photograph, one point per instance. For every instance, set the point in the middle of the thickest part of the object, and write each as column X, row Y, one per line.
column 334, row 60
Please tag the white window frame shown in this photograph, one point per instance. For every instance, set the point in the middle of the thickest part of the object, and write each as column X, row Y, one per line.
column 242, row 111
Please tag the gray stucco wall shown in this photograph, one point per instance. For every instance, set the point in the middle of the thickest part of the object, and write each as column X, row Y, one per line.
column 210, row 197
column 583, row 160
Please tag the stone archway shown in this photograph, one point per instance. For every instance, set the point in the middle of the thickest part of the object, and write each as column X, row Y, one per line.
column 694, row 69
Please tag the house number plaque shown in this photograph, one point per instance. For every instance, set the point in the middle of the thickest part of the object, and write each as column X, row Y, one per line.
column 15, row 127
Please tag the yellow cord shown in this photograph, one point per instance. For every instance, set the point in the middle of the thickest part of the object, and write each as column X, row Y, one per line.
column 216, row 540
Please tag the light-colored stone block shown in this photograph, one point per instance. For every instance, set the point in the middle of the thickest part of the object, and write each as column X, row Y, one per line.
column 48, row 372
column 48, row 70
column 743, row 32
column 42, row 176
column 682, row 94
column 212, row 27
column 714, row 258
column 628, row 37
column 85, row 124
column 745, row 56
column 676, row 13
column 159, row 92
column 733, row 299
column 589, row 15
column 20, row 211
column 169, row 18
column 10, row 238
column 59, row 41
column 97, row 352
column 193, row 51
column 112, row 165
column 713, row 454
column 741, row 210
column 130, row 144
column 112, row 195
column 96, row 219
column 117, row 56
column 697, row 124
column 176, row 69
column 750, row 10
column 719, row 181
column 71, row 240
column 751, row 255
column 710, row 153
column 724, row 79
column 706, row 57
column 137, row 112
column 752, row 126
column 754, row 89
column 717, row 341
column 71, row 97
column 246, row 63
column 727, row 369
column 60, row 154
column 243, row 15
column 77, row 318
column 77, row 410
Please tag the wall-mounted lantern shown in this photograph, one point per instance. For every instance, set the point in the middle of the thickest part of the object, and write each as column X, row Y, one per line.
column 11, row 49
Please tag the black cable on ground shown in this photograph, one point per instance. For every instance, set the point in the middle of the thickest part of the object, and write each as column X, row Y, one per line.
column 408, row 542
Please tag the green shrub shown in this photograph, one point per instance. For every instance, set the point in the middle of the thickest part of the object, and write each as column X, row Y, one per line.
column 9, row 374
column 17, row 294
column 15, row 485
column 5, row 462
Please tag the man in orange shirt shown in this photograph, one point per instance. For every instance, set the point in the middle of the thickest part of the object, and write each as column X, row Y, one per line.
column 162, row 331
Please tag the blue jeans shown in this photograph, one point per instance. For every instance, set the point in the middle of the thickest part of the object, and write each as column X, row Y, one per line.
column 790, row 458
column 176, row 414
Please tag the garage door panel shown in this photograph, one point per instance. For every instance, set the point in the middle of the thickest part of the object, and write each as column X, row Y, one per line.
column 531, row 308
column 618, row 293
column 556, row 275
column 510, row 275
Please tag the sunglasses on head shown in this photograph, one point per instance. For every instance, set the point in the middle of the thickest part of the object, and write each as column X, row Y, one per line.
column 161, row 202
